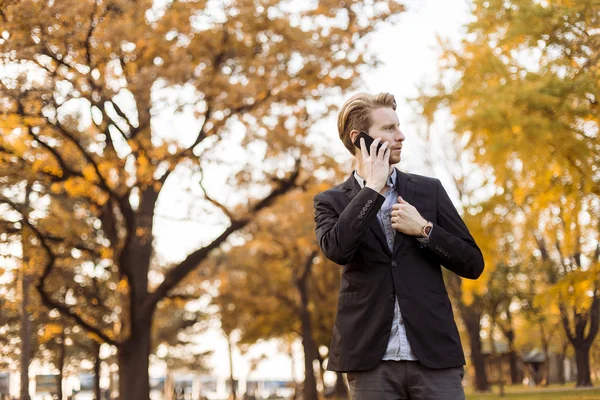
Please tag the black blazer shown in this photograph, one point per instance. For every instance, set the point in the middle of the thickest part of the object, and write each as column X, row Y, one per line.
column 349, row 234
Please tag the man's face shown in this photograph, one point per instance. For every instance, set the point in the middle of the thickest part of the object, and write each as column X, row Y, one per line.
column 387, row 126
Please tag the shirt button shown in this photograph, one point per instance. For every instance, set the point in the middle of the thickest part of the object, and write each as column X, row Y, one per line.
column 391, row 297
column 394, row 264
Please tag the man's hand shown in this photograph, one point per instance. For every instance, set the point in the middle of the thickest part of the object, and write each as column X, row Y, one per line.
column 376, row 164
column 406, row 218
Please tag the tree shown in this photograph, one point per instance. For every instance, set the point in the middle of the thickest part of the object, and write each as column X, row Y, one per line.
column 522, row 89
column 94, row 79
column 449, row 154
column 277, row 284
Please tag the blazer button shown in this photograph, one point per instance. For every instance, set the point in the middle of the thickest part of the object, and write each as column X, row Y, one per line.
column 365, row 209
column 391, row 297
column 360, row 217
column 394, row 264
column 369, row 201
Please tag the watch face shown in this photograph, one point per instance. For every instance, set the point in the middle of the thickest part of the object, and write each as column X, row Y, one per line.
column 427, row 229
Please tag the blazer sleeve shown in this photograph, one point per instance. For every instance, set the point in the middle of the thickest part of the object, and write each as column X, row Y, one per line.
column 339, row 235
column 451, row 241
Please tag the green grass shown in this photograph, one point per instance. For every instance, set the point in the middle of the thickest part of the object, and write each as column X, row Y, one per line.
column 523, row 393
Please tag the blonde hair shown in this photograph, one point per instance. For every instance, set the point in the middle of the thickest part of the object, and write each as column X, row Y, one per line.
column 356, row 114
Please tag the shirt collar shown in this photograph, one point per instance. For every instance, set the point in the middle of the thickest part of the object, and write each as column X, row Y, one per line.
column 391, row 181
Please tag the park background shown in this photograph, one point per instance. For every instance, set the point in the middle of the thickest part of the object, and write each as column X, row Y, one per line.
column 158, row 161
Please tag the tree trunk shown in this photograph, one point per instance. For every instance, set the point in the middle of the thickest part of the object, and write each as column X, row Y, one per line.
column 293, row 372
column 231, row 380
column 561, row 360
column 308, row 344
column 546, row 350
column 582, row 359
column 169, row 386
column 26, row 281
column 310, row 381
column 62, row 355
column 472, row 319
column 25, row 335
column 134, row 354
column 134, row 379
column 471, row 316
column 515, row 375
column 494, row 356
column 97, row 366
column 581, row 341
column 341, row 389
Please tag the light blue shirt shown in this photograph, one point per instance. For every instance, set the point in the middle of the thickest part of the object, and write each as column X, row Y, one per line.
column 398, row 347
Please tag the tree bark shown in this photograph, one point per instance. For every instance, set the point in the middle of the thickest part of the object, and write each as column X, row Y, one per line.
column 561, row 361
column 494, row 356
column 97, row 366
column 310, row 381
column 471, row 316
column 582, row 359
column 308, row 344
column 580, row 339
column 134, row 379
column 25, row 335
column 515, row 376
column 134, row 353
column 62, row 355
column 231, row 380
column 546, row 349
column 26, row 281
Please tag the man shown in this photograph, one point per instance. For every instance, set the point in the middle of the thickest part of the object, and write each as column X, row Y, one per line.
column 394, row 332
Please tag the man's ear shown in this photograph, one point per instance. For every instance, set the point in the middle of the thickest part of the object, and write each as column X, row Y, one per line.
column 353, row 135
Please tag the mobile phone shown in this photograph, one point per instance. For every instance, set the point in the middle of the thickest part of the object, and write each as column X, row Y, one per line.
column 368, row 141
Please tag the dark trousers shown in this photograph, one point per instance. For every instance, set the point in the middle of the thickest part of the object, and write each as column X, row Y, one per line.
column 396, row 380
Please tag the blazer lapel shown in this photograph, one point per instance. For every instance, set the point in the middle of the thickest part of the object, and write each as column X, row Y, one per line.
column 406, row 189
column 352, row 188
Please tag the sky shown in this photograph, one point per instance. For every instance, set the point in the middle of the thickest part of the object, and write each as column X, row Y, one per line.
column 408, row 52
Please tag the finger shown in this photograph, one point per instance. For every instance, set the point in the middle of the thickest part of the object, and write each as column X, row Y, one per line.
column 386, row 154
column 401, row 200
column 382, row 151
column 396, row 206
column 363, row 149
column 374, row 147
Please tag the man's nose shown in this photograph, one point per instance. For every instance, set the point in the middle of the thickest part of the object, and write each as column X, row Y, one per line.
column 399, row 137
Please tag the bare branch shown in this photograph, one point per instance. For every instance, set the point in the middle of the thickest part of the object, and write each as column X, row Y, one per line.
column 121, row 114
column 177, row 273
column 46, row 298
column 215, row 202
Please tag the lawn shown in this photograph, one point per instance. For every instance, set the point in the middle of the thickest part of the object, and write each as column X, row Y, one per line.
column 522, row 393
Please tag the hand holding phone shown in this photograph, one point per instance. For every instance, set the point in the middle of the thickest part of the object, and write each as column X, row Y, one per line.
column 368, row 141
column 376, row 167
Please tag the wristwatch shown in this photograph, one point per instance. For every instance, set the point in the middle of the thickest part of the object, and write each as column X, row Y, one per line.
column 427, row 229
